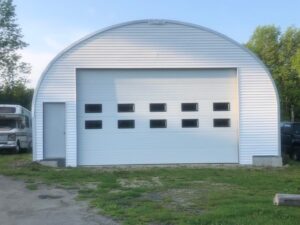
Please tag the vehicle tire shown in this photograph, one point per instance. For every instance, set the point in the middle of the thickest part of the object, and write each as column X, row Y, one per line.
column 18, row 148
column 29, row 148
column 296, row 155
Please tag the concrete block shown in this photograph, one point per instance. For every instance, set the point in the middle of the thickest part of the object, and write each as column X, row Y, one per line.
column 48, row 163
column 287, row 199
column 53, row 162
column 272, row 161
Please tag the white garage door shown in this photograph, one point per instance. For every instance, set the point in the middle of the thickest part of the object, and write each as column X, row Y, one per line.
column 157, row 116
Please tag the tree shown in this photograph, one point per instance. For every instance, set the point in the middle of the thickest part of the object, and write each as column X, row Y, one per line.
column 296, row 61
column 289, row 45
column 21, row 95
column 265, row 44
column 12, row 70
column 281, row 54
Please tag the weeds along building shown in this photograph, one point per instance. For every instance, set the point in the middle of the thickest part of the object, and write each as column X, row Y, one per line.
column 156, row 92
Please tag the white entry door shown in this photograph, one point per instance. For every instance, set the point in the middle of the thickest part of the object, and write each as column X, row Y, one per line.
column 54, row 130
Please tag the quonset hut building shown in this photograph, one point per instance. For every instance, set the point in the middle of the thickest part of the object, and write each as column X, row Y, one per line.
column 156, row 92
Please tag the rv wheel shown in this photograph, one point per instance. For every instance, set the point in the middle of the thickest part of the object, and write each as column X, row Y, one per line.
column 18, row 148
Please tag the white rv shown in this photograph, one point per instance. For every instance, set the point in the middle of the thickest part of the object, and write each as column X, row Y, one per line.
column 15, row 128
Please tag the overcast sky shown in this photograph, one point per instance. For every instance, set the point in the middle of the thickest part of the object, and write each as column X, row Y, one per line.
column 49, row 26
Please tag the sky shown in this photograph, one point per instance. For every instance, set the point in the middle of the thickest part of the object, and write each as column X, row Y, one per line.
column 49, row 26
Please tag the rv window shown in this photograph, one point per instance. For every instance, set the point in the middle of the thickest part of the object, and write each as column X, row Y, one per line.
column 8, row 123
column 7, row 109
column 27, row 121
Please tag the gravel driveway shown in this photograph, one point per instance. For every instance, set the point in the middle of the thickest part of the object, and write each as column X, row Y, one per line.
column 47, row 206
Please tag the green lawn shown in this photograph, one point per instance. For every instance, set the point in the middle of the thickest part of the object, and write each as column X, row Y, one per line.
column 182, row 195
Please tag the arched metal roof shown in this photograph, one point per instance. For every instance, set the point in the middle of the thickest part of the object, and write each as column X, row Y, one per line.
column 150, row 21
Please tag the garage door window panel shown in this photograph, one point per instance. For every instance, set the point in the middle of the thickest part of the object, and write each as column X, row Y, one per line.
column 123, row 108
column 158, row 107
column 93, row 124
column 221, row 122
column 221, row 106
column 189, row 107
column 126, row 124
column 93, row 108
column 190, row 123
column 158, row 123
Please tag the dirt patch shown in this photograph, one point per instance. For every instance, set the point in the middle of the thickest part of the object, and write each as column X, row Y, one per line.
column 192, row 199
column 136, row 183
column 47, row 205
column 178, row 199
column 23, row 163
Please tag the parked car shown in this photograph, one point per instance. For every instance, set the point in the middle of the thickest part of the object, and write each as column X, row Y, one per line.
column 290, row 139
column 15, row 128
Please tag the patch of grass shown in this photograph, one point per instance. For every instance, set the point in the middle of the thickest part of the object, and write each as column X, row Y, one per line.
column 181, row 195
column 32, row 187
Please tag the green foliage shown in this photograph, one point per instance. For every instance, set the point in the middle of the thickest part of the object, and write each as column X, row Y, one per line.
column 18, row 94
column 281, row 54
column 178, row 195
column 12, row 69
column 296, row 61
column 13, row 72
column 265, row 44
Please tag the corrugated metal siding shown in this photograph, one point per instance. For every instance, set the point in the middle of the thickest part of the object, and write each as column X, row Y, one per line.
column 171, row 45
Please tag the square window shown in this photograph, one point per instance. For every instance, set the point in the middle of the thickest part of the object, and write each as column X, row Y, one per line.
column 158, row 107
column 221, row 122
column 125, row 107
column 221, row 106
column 189, row 123
column 93, row 124
column 93, row 108
column 189, row 107
column 158, row 123
column 125, row 124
